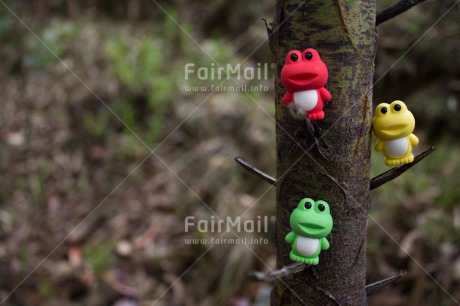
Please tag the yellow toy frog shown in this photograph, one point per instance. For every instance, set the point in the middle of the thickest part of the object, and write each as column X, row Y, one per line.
column 393, row 124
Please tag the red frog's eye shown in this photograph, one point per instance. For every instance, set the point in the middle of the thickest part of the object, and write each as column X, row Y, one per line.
column 308, row 55
column 294, row 57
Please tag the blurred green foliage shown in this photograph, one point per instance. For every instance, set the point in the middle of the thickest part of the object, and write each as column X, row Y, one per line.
column 52, row 44
column 46, row 289
column 6, row 24
column 99, row 256
column 137, row 64
column 428, row 195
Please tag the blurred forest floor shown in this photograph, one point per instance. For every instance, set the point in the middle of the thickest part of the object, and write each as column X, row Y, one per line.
column 92, row 210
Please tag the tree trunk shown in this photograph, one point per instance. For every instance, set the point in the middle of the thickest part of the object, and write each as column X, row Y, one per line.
column 336, row 165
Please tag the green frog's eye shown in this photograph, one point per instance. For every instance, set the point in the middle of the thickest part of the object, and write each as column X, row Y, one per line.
column 307, row 205
column 321, row 207
column 384, row 110
column 294, row 57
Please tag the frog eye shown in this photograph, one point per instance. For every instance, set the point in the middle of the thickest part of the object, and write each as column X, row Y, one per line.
column 397, row 107
column 322, row 206
column 294, row 57
column 382, row 109
column 306, row 203
column 308, row 55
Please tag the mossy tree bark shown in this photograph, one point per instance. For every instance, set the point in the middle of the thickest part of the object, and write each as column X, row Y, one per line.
column 336, row 168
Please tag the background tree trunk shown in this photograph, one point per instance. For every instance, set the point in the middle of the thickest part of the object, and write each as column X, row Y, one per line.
column 336, row 167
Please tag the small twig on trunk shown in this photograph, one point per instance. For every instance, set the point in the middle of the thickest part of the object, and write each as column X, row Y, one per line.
column 299, row 115
column 397, row 171
column 310, row 127
column 396, row 10
column 374, row 287
column 284, row 271
column 250, row 168
column 328, row 295
column 269, row 29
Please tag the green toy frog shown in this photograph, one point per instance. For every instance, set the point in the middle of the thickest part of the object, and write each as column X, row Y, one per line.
column 311, row 222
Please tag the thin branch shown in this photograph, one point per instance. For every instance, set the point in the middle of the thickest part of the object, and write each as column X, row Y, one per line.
column 269, row 29
column 250, row 168
column 299, row 115
column 273, row 275
column 396, row 10
column 374, row 287
column 397, row 171
column 310, row 127
column 328, row 295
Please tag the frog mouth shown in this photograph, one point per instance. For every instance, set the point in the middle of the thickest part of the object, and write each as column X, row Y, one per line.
column 303, row 76
column 311, row 226
column 395, row 127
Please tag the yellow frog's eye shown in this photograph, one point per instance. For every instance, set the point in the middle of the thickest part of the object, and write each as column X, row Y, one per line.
column 382, row 109
column 397, row 106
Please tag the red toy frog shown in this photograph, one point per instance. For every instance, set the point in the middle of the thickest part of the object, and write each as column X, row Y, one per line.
column 304, row 76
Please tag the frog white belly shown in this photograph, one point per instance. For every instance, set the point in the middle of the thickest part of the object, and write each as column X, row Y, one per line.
column 306, row 246
column 397, row 147
column 306, row 100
